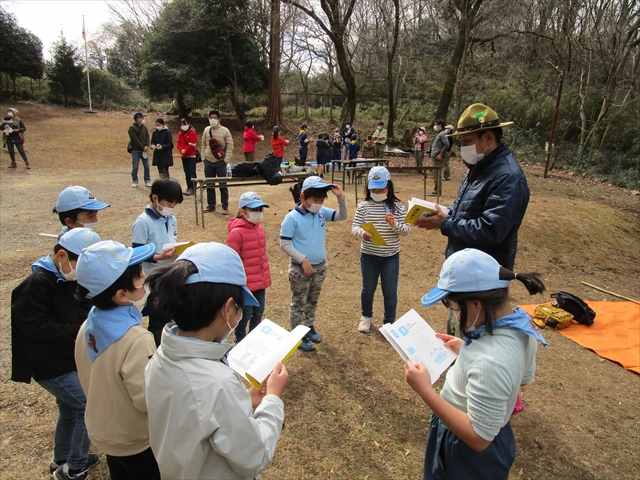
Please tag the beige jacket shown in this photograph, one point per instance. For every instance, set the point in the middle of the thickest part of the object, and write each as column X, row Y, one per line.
column 380, row 136
column 225, row 139
column 116, row 412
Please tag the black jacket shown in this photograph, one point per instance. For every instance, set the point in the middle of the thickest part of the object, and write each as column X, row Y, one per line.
column 323, row 150
column 488, row 211
column 45, row 319
column 164, row 157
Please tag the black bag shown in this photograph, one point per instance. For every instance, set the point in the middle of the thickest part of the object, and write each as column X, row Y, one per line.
column 245, row 169
column 568, row 302
column 269, row 169
column 129, row 147
column 295, row 191
column 198, row 156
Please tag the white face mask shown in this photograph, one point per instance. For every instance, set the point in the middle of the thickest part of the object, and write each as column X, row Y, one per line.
column 469, row 154
column 254, row 217
column 231, row 330
column 214, row 122
column 92, row 225
column 347, row 127
column 473, row 326
column 436, row 128
column 164, row 211
column 10, row 114
column 313, row 207
column 141, row 303
column 378, row 197
column 71, row 276
column 160, row 127
column 184, row 128
column 142, row 123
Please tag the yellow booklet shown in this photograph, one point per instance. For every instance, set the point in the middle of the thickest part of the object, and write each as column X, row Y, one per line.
column 255, row 357
column 377, row 239
column 421, row 208
column 179, row 246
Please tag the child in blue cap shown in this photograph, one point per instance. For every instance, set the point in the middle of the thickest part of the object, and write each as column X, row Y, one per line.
column 78, row 208
column 45, row 319
column 112, row 350
column 470, row 434
column 303, row 236
column 203, row 422
column 382, row 208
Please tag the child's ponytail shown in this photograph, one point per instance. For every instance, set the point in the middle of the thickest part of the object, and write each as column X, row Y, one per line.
column 530, row 280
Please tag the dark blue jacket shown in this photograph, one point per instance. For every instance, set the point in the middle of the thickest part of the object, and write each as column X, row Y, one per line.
column 303, row 143
column 354, row 148
column 488, row 211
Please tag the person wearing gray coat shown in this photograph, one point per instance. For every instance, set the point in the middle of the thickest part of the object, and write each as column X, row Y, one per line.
column 439, row 149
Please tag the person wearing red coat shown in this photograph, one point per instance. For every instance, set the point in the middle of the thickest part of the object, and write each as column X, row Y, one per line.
column 278, row 143
column 187, row 143
column 247, row 237
column 250, row 139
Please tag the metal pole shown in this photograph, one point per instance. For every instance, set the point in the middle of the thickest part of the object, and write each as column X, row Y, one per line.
column 555, row 119
column 86, row 61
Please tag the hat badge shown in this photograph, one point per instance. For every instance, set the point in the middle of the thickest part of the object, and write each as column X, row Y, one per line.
column 376, row 177
column 480, row 117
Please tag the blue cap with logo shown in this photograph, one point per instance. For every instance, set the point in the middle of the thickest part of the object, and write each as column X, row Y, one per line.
column 218, row 263
column 251, row 200
column 77, row 239
column 102, row 263
column 74, row 197
column 138, row 115
column 467, row 270
column 378, row 177
column 316, row 182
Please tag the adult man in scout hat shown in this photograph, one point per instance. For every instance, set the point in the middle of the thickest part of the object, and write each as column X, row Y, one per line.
column 494, row 194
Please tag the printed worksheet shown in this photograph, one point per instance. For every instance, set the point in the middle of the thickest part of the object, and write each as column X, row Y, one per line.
column 415, row 340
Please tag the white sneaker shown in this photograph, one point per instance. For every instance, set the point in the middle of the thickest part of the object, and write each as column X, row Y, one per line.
column 134, row 185
column 365, row 324
column 147, row 184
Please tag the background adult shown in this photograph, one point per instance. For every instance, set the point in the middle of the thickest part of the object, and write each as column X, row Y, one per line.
column 250, row 138
column 493, row 196
column 162, row 146
column 380, row 139
column 347, row 132
column 419, row 145
column 139, row 138
column 187, row 144
column 15, row 138
column 215, row 163
column 446, row 172
column 439, row 149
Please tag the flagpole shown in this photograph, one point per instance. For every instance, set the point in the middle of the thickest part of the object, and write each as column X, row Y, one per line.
column 86, row 61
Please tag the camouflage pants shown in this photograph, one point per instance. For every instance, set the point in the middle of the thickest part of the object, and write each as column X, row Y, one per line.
column 305, row 292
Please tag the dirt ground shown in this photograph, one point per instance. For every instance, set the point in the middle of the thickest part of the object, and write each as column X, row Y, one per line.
column 349, row 412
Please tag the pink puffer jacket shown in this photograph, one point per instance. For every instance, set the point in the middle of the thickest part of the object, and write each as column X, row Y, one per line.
column 250, row 241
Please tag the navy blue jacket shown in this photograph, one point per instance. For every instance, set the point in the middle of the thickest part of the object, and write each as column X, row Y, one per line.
column 488, row 211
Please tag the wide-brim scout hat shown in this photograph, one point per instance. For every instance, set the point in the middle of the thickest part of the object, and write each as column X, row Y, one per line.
column 478, row 117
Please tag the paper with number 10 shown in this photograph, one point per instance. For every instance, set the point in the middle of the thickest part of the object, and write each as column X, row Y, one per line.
column 415, row 340
column 257, row 354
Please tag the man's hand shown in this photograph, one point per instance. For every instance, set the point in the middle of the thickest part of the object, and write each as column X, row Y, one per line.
column 337, row 191
column 439, row 157
column 307, row 268
column 434, row 221
column 146, row 148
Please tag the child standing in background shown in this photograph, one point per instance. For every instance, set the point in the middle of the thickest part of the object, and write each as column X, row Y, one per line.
column 78, row 208
column 247, row 237
column 278, row 143
column 322, row 154
column 336, row 149
column 386, row 212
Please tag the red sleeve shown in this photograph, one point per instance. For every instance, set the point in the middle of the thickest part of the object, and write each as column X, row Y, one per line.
column 234, row 240
column 254, row 136
column 284, row 142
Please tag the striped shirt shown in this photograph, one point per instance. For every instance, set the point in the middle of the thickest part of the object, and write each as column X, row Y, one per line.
column 369, row 211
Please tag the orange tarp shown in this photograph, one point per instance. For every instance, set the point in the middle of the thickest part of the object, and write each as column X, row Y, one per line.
column 615, row 333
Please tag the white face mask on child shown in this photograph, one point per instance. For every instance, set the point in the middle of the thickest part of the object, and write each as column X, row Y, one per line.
column 313, row 207
column 378, row 197
column 254, row 217
column 184, row 128
column 92, row 225
column 141, row 303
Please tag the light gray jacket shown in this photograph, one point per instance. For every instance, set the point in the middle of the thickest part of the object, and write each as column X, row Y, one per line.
column 440, row 144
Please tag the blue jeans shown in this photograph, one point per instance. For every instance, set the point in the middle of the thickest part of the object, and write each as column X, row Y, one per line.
column 71, row 440
column 387, row 269
column 135, row 162
column 251, row 315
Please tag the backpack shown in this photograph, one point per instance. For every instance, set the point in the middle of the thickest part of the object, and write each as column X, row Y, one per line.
column 245, row 169
column 215, row 147
column 569, row 302
column 295, row 192
column 269, row 169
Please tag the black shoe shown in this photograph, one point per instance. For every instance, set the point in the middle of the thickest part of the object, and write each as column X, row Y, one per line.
column 188, row 192
column 92, row 459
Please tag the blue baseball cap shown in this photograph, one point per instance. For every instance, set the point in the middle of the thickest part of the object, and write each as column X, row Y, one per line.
column 77, row 239
column 378, row 177
column 251, row 200
column 138, row 115
column 316, row 182
column 218, row 263
column 102, row 263
column 467, row 270
column 74, row 197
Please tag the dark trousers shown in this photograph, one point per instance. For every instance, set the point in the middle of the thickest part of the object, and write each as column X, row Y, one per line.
column 189, row 167
column 251, row 315
column 449, row 458
column 157, row 319
column 163, row 171
column 12, row 153
column 141, row 466
column 217, row 169
column 303, row 157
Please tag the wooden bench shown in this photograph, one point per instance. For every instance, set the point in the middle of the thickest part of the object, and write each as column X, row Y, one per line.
column 360, row 172
column 202, row 184
column 369, row 162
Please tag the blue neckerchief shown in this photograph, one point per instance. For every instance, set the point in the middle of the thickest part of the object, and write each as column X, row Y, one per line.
column 518, row 320
column 105, row 327
column 47, row 264
column 64, row 230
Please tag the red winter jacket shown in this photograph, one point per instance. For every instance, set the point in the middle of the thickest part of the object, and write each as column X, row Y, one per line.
column 250, row 241
column 184, row 139
column 250, row 139
column 277, row 145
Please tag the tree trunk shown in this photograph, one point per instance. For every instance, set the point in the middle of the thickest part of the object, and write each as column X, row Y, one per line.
column 181, row 109
column 391, row 53
column 274, row 101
